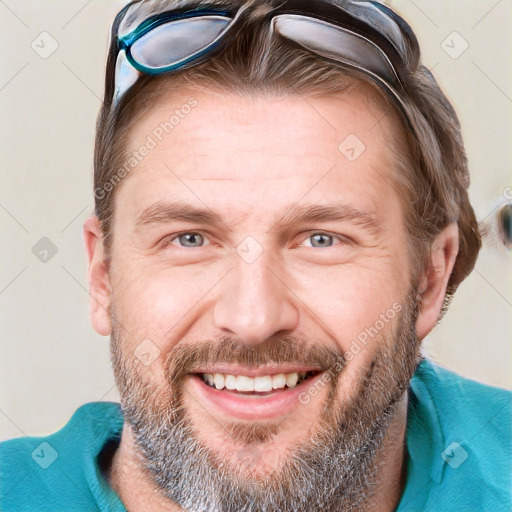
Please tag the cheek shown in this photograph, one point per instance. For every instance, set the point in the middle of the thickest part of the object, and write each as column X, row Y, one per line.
column 159, row 302
column 355, row 304
column 362, row 315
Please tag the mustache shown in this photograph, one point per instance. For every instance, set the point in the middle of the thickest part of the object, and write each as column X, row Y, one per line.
column 185, row 358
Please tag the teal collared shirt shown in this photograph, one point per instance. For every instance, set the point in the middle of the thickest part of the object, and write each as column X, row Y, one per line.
column 459, row 446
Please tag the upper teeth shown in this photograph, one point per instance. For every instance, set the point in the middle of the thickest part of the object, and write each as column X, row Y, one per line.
column 260, row 383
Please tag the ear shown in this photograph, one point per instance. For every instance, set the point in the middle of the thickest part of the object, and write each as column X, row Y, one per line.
column 99, row 283
column 434, row 280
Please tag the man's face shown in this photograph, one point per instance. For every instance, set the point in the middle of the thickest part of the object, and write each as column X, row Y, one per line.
column 261, row 287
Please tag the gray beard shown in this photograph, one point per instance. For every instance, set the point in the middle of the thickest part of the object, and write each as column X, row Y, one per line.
column 336, row 469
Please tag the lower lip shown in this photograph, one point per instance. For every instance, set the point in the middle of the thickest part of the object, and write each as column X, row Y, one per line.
column 275, row 404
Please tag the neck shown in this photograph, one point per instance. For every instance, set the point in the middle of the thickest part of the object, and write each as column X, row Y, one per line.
column 392, row 463
column 138, row 493
column 132, row 484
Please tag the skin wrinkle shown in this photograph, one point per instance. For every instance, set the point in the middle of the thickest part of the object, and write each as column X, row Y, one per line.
column 169, row 211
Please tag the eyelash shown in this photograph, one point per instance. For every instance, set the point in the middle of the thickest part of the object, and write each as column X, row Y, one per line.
column 171, row 238
column 168, row 240
column 339, row 238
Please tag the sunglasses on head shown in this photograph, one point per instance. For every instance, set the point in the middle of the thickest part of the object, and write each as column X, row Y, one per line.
column 365, row 36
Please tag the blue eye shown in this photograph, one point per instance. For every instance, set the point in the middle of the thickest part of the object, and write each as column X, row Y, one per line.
column 190, row 239
column 322, row 240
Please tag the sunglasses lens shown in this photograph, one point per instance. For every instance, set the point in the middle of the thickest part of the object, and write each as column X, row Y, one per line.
column 335, row 43
column 172, row 44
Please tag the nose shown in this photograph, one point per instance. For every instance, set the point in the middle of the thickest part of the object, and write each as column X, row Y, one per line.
column 255, row 302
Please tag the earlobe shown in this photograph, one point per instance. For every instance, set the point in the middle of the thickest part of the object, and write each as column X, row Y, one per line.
column 432, row 285
column 98, row 276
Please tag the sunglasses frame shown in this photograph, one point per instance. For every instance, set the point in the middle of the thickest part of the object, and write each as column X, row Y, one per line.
column 127, row 41
column 337, row 14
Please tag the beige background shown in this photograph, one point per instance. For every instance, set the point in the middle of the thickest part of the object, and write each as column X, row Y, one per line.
column 52, row 360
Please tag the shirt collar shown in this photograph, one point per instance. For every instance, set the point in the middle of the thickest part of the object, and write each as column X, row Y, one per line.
column 425, row 437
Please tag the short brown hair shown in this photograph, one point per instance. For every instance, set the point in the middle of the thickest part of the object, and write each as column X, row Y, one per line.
column 431, row 165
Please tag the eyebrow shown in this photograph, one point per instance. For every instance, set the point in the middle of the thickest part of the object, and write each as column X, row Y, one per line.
column 337, row 211
column 168, row 211
column 164, row 211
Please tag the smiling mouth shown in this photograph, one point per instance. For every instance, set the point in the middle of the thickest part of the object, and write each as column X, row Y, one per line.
column 261, row 384
column 253, row 394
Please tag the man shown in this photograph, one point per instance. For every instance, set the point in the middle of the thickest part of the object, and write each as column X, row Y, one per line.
column 281, row 218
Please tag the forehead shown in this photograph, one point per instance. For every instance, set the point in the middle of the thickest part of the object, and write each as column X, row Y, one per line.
column 235, row 151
